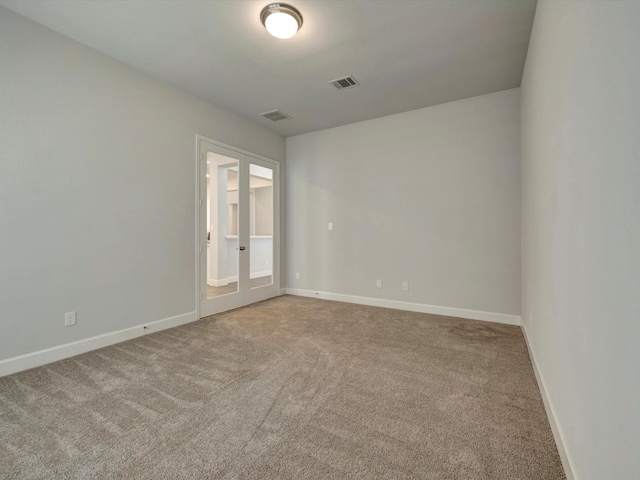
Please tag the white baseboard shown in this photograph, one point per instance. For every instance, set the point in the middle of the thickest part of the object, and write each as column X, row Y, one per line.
column 49, row 355
column 411, row 307
column 558, row 432
column 282, row 291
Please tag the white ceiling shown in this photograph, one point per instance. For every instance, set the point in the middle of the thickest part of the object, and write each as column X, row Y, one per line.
column 406, row 54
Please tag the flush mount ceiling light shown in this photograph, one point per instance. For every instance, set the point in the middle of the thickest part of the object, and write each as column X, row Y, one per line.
column 281, row 20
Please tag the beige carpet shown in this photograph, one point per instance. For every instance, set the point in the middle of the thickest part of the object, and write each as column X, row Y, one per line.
column 291, row 388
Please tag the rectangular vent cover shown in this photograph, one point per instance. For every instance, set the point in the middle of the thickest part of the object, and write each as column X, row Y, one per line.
column 275, row 115
column 345, row 82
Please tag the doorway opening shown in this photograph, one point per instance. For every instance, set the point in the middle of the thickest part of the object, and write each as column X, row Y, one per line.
column 222, row 225
column 238, row 223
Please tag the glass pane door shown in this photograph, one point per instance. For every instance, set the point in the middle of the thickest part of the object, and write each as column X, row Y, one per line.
column 261, row 226
column 238, row 228
column 222, row 224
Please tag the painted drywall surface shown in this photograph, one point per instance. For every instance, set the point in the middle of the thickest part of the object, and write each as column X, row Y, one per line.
column 581, row 227
column 97, row 189
column 430, row 196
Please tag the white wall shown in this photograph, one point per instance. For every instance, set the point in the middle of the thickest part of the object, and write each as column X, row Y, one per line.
column 581, row 227
column 430, row 196
column 97, row 189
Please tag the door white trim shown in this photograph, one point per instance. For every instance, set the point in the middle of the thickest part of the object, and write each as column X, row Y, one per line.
column 275, row 165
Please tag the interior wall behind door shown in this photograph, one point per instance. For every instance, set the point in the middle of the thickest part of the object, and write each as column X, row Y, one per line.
column 128, row 214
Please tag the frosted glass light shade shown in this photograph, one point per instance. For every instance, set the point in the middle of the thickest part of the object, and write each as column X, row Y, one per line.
column 281, row 20
column 281, row 25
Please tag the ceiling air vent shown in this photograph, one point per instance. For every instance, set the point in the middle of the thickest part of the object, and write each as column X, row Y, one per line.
column 345, row 82
column 275, row 115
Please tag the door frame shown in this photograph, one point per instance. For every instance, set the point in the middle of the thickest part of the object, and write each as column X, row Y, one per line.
column 201, row 235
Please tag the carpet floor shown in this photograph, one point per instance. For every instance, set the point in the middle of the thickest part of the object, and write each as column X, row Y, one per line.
column 289, row 388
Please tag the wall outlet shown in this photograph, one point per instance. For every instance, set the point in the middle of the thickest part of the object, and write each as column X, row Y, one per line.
column 378, row 283
column 405, row 286
column 330, row 225
column 69, row 319
column 297, row 275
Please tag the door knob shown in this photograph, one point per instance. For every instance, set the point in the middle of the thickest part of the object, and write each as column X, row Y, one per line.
column 242, row 248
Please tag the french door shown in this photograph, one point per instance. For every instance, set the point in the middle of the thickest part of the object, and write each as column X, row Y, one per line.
column 238, row 219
